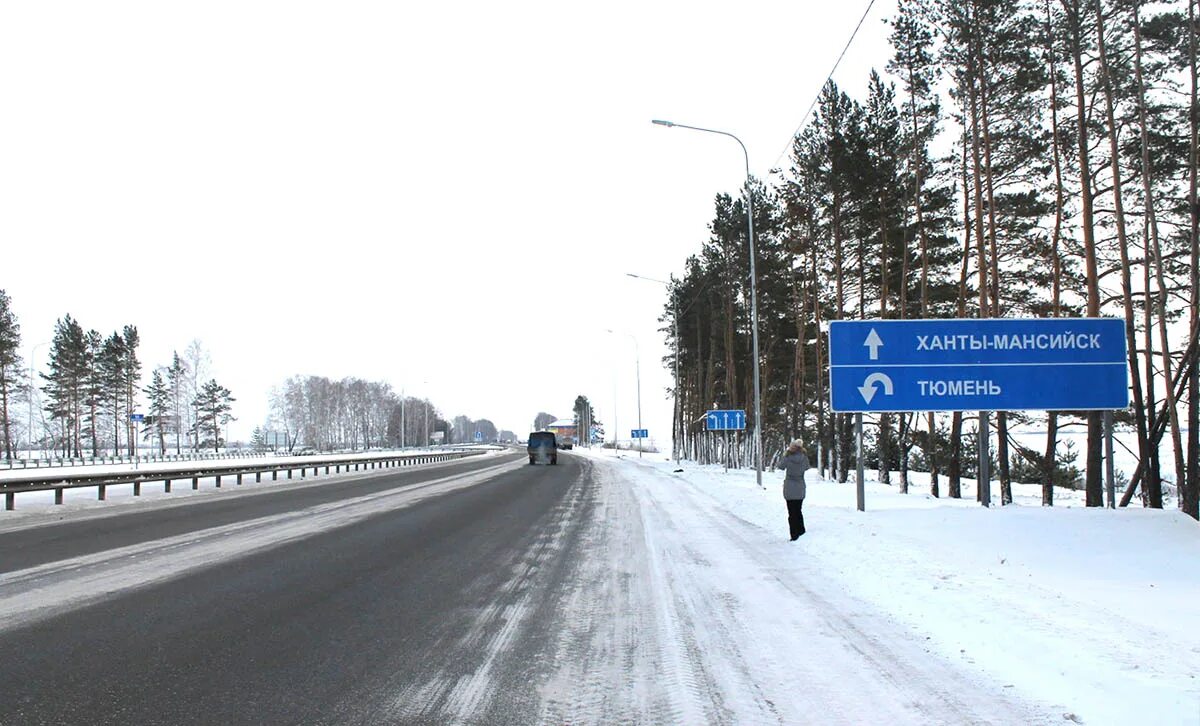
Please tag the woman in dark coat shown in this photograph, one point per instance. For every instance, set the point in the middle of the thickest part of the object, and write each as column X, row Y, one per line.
column 795, row 462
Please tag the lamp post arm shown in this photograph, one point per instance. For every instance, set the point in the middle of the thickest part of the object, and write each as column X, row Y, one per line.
column 745, row 153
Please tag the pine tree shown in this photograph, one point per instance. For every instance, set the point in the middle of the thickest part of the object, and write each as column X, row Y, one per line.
column 94, row 390
column 176, row 381
column 159, row 395
column 130, row 380
column 109, row 364
column 10, row 369
column 66, row 382
column 213, row 405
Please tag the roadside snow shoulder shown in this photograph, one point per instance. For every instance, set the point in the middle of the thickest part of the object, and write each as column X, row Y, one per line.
column 1090, row 611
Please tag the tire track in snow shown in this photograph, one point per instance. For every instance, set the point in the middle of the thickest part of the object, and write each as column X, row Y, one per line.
column 457, row 692
column 891, row 676
column 629, row 651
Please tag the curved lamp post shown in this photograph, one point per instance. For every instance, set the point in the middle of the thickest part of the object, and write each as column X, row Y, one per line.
column 758, row 453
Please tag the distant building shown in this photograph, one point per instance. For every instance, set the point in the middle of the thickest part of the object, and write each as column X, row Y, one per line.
column 564, row 428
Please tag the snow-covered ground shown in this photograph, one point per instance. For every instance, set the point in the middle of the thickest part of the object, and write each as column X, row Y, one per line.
column 1088, row 615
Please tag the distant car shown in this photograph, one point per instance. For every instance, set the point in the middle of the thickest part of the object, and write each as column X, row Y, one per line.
column 306, row 451
column 566, row 442
column 542, row 446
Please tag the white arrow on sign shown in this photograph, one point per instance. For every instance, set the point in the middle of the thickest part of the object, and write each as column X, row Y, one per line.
column 868, row 389
column 874, row 343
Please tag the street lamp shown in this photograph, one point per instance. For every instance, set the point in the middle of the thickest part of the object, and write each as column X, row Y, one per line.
column 675, row 446
column 758, row 453
column 637, row 362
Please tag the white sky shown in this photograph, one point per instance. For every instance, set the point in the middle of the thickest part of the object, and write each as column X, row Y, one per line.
column 445, row 196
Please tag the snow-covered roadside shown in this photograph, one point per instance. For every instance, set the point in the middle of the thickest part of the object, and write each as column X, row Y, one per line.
column 1091, row 612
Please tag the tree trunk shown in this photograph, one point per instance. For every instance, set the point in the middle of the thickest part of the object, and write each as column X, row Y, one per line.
column 1155, row 253
column 1094, row 491
column 8, row 447
column 1189, row 490
column 1050, row 462
column 1139, row 410
column 955, row 473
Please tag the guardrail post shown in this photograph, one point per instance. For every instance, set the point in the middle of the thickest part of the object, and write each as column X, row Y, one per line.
column 166, row 486
column 10, row 501
column 257, row 477
column 337, row 469
column 137, row 489
column 289, row 473
column 218, row 481
column 239, row 479
column 100, row 493
column 327, row 468
column 58, row 495
column 274, row 474
column 195, row 482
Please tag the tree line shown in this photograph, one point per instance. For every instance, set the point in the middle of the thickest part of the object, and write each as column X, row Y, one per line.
column 93, row 387
column 1036, row 158
column 353, row 414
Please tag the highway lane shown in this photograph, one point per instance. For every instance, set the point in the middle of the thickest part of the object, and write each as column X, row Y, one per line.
column 32, row 541
column 596, row 591
column 335, row 627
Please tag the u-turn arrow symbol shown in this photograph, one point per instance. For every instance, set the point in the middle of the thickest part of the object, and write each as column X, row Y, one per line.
column 867, row 389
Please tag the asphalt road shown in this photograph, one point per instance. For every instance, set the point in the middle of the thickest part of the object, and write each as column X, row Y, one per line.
column 486, row 591
column 101, row 529
column 389, row 616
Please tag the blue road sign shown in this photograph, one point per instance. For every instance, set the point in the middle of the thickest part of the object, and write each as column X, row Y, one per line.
column 733, row 419
column 995, row 364
column 640, row 433
column 137, row 417
column 479, row 436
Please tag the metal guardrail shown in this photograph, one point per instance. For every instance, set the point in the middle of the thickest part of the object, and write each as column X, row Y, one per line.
column 65, row 461
column 60, row 483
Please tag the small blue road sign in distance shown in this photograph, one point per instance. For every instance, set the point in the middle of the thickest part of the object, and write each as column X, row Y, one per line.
column 733, row 419
column 991, row 364
column 479, row 436
column 640, row 433
column 137, row 417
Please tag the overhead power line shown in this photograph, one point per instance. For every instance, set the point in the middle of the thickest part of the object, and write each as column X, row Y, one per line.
column 817, row 97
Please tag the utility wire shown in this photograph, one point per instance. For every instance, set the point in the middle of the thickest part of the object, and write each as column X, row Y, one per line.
column 817, row 97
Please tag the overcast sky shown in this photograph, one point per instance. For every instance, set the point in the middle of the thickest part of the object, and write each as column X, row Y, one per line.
column 442, row 195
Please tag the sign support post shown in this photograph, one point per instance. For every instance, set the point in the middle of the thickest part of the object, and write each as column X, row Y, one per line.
column 984, row 485
column 978, row 365
column 861, row 491
column 1109, row 475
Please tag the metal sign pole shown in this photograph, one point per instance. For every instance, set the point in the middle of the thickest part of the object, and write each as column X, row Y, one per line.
column 1109, row 473
column 985, row 474
column 861, row 492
